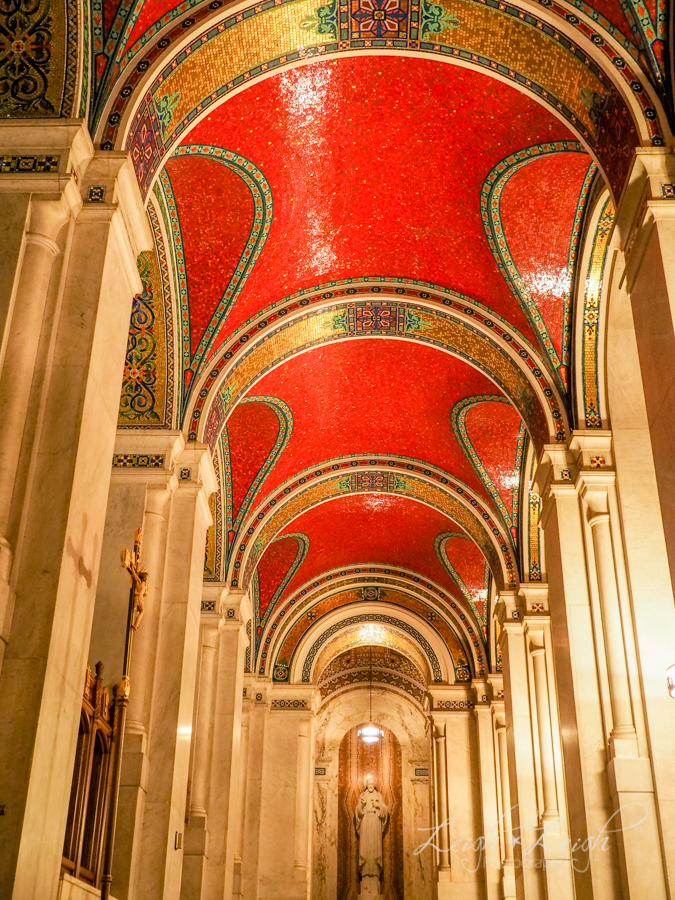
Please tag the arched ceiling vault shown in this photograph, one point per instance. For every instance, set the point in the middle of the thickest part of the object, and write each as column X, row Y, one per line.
column 368, row 234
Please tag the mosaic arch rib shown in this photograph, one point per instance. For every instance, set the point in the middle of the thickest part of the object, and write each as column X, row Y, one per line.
column 378, row 576
column 591, row 317
column 410, row 479
column 473, row 334
column 568, row 72
column 193, row 20
column 285, row 418
column 490, row 205
column 428, row 650
column 458, row 420
column 292, row 637
column 261, row 194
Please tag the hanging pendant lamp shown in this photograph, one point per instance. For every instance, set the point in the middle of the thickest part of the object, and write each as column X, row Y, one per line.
column 370, row 734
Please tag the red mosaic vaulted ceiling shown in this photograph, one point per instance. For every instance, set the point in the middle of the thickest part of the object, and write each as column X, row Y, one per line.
column 371, row 528
column 538, row 206
column 492, row 429
column 375, row 169
column 252, row 431
column 469, row 564
column 273, row 568
column 214, row 229
column 376, row 396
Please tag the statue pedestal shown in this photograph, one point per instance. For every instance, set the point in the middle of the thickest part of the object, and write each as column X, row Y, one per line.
column 370, row 887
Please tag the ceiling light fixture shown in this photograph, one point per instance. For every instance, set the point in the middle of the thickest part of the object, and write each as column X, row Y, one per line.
column 370, row 733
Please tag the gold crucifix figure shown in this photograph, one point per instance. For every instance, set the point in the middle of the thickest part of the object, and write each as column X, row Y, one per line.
column 131, row 560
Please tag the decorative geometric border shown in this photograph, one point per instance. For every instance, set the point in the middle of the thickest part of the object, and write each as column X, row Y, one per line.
column 168, row 311
column 138, row 461
column 214, row 534
column 534, row 548
column 591, row 317
column 27, row 165
column 241, row 345
column 490, row 208
column 289, row 704
column 372, row 617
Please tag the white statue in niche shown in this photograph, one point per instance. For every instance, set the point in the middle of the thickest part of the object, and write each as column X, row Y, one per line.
column 371, row 818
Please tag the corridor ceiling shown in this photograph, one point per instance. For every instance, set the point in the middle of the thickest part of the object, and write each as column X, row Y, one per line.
column 368, row 221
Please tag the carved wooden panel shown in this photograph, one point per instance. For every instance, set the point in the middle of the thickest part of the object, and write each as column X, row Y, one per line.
column 356, row 761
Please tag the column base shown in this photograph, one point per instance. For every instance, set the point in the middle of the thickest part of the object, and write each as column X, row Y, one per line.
column 508, row 882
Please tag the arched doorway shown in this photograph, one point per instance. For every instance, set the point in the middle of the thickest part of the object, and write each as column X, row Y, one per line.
column 356, row 761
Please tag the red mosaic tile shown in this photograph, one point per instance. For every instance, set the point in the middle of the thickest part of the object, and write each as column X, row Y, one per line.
column 538, row 206
column 216, row 214
column 371, row 397
column 273, row 567
column 374, row 170
column 151, row 12
column 252, row 430
column 493, row 431
column 469, row 563
column 371, row 528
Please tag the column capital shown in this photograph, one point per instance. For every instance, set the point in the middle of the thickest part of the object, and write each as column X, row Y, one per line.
column 509, row 609
column 147, row 455
column 67, row 144
column 231, row 606
column 194, row 472
column 303, row 699
column 534, row 597
column 593, row 487
column 109, row 181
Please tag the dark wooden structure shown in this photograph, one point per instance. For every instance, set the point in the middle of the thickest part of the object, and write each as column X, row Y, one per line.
column 90, row 791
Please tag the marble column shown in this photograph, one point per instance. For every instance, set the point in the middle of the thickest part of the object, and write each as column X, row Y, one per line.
column 221, row 821
column 284, row 821
column 508, row 875
column 442, row 823
column 457, row 755
column 530, row 884
column 638, row 376
column 62, row 522
column 644, row 237
column 555, row 839
column 302, row 802
column 575, row 630
column 237, row 880
column 196, row 832
column 257, row 690
column 492, row 866
column 170, row 732
column 139, row 495
column 35, row 209
column 623, row 737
